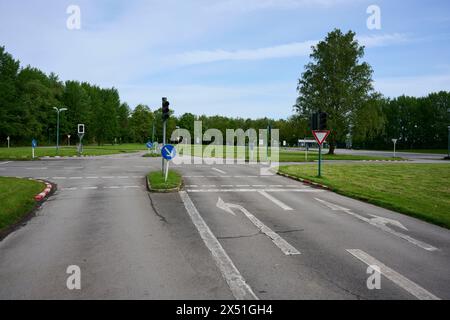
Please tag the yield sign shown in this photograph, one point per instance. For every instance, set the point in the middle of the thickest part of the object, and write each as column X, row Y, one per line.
column 321, row 136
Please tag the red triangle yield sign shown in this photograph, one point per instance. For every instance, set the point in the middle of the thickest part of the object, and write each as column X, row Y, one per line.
column 321, row 136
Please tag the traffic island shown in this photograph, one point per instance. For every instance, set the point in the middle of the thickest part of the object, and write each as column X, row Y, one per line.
column 19, row 199
column 156, row 182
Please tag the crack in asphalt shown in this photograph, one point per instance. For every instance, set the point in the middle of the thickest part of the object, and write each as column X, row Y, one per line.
column 161, row 217
column 240, row 237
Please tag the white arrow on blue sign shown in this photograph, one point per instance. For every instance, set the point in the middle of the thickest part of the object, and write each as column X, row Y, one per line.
column 34, row 143
column 149, row 145
column 168, row 152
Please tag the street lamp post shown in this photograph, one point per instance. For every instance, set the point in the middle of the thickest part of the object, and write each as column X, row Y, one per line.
column 58, row 111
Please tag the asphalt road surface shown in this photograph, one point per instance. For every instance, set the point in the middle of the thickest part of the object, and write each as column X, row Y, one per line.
column 231, row 233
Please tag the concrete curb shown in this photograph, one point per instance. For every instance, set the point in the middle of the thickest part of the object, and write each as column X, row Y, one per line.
column 306, row 181
column 44, row 194
column 150, row 189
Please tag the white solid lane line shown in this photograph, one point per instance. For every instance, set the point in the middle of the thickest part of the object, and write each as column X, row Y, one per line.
column 218, row 170
column 239, row 288
column 276, row 201
column 383, row 227
column 406, row 284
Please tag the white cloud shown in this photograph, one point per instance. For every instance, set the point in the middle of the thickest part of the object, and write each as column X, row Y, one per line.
column 295, row 49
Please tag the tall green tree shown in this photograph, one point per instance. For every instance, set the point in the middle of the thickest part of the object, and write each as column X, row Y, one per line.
column 336, row 82
column 141, row 123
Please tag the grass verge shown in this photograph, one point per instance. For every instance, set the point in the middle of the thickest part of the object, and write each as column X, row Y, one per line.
column 156, row 181
column 16, row 199
column 418, row 190
column 24, row 153
column 152, row 155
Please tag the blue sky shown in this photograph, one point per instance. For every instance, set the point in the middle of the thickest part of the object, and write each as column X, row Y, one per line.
column 229, row 57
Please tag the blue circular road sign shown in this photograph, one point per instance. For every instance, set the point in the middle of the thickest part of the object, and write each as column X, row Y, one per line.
column 168, row 152
column 149, row 145
column 34, row 143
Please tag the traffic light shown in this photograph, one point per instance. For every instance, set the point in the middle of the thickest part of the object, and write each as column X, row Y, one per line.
column 315, row 121
column 323, row 121
column 165, row 109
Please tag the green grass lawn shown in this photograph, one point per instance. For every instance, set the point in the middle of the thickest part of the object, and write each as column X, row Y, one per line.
column 419, row 190
column 156, row 180
column 16, row 199
column 24, row 153
column 288, row 156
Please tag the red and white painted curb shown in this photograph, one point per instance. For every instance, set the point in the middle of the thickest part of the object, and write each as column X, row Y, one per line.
column 44, row 193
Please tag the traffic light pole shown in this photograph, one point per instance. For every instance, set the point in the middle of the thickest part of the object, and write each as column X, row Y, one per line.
column 164, row 143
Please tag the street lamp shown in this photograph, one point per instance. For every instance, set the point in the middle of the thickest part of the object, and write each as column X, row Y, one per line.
column 58, row 111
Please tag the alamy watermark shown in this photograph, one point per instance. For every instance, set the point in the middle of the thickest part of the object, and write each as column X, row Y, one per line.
column 73, row 282
column 73, row 21
column 238, row 146
column 374, row 19
column 374, row 280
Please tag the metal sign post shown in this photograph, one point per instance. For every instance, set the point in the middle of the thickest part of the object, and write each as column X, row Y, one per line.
column 149, row 146
column 68, row 139
column 81, row 132
column 394, row 141
column 33, row 145
column 449, row 141
column 321, row 136
column 8, row 141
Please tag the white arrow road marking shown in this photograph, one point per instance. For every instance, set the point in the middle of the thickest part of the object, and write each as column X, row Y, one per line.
column 379, row 225
column 239, row 288
column 284, row 246
column 385, row 221
column 413, row 288
column 218, row 170
column 276, row 201
column 1, row 163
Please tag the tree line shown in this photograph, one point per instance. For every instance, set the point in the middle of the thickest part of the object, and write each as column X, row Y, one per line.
column 28, row 96
column 337, row 82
